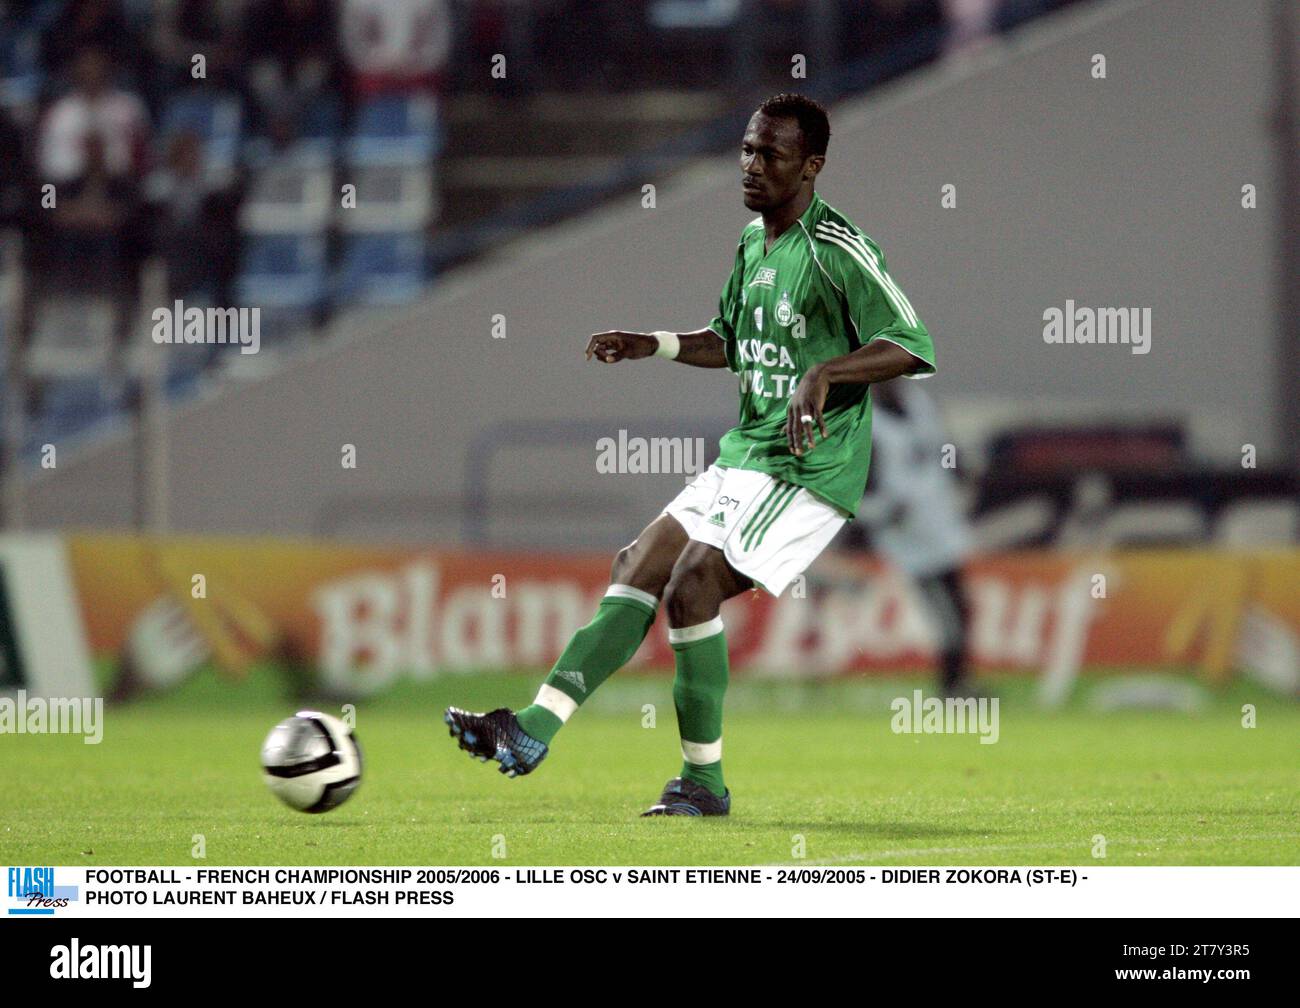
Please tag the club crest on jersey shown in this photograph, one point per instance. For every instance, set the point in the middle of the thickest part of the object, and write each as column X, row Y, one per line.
column 765, row 277
column 784, row 309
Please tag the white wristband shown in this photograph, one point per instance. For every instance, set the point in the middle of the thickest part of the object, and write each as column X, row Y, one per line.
column 669, row 345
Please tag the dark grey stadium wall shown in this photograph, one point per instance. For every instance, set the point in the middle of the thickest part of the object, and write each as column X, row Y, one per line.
column 1119, row 192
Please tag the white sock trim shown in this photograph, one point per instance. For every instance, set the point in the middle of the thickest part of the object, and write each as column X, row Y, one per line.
column 627, row 591
column 558, row 703
column 690, row 634
column 701, row 753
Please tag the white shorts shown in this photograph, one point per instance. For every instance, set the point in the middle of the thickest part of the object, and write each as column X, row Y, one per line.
column 768, row 529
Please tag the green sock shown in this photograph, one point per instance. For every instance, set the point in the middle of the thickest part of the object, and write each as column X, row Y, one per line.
column 593, row 654
column 698, row 689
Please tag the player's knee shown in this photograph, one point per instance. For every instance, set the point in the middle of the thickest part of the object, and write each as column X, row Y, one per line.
column 623, row 566
column 690, row 597
column 632, row 566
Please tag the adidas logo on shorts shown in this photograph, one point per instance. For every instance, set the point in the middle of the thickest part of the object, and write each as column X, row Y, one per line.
column 719, row 519
column 573, row 676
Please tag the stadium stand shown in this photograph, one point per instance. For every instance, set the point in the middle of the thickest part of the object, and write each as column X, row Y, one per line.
column 230, row 129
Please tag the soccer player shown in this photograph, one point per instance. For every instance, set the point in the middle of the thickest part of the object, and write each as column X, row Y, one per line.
column 808, row 320
column 914, row 518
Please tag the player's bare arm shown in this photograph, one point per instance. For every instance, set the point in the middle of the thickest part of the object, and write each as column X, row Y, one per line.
column 876, row 362
column 701, row 348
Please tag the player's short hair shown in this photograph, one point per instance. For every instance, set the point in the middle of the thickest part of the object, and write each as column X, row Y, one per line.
column 814, row 124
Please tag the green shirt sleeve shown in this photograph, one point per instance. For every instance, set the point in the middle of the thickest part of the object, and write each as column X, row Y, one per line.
column 878, row 307
column 724, row 323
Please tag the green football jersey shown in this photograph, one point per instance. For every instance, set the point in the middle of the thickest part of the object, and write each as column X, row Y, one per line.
column 820, row 292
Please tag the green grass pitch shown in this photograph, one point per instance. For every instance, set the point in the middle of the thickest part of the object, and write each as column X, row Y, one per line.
column 813, row 762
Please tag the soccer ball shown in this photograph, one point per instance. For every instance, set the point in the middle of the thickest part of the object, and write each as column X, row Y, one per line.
column 312, row 761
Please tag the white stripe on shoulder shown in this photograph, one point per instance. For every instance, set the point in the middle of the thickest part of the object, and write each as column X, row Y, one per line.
column 812, row 249
column 852, row 236
column 860, row 240
column 864, row 258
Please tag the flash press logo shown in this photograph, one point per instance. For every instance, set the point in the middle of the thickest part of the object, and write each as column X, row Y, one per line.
column 922, row 715
column 179, row 324
column 31, row 892
column 75, row 961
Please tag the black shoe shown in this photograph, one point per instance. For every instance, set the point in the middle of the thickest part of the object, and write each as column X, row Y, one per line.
column 496, row 735
column 685, row 797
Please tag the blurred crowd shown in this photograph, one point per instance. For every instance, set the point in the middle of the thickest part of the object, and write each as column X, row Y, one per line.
column 138, row 131
column 88, row 85
column 92, row 103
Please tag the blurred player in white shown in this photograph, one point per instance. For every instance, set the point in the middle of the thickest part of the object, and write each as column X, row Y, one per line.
column 913, row 516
